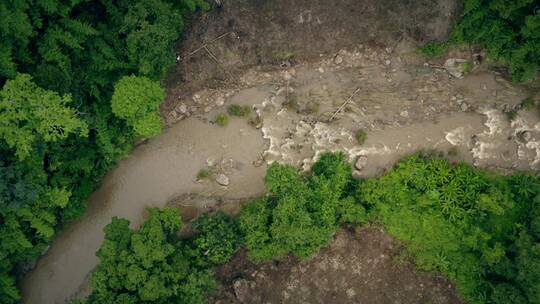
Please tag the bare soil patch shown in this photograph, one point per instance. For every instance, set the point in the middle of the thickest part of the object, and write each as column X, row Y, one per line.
column 269, row 33
column 365, row 266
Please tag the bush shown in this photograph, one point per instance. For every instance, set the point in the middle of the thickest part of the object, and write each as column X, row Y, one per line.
column 360, row 136
column 434, row 49
column 238, row 110
column 222, row 119
column 217, row 240
column 528, row 104
column 203, row 174
column 467, row 68
column 299, row 214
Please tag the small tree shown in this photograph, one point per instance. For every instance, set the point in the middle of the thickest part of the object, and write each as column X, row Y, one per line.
column 136, row 100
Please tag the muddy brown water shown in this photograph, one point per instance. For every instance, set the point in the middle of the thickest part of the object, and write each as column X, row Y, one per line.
column 167, row 166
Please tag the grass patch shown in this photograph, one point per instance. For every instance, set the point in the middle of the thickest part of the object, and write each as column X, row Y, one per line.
column 467, row 68
column 434, row 49
column 360, row 136
column 528, row 104
column 203, row 174
column 222, row 119
column 238, row 110
column 285, row 55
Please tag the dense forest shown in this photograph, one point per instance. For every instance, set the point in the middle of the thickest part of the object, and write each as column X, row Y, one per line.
column 479, row 229
column 81, row 83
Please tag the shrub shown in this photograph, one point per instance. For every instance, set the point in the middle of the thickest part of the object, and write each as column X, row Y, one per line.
column 217, row 240
column 360, row 136
column 299, row 214
column 528, row 103
column 467, row 68
column 511, row 114
column 238, row 110
column 222, row 119
column 434, row 49
column 203, row 174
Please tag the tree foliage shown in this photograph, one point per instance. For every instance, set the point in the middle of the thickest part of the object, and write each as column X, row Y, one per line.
column 30, row 115
column 299, row 214
column 217, row 240
column 137, row 100
column 148, row 265
column 59, row 62
column 509, row 29
column 479, row 229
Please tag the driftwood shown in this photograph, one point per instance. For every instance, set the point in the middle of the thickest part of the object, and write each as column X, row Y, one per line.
column 344, row 104
column 204, row 46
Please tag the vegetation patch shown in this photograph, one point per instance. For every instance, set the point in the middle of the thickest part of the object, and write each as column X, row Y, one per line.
column 80, row 84
column 360, row 136
column 238, row 110
column 203, row 174
column 509, row 30
column 222, row 119
column 434, row 49
column 528, row 103
column 481, row 230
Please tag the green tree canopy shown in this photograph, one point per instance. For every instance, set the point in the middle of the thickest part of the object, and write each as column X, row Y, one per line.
column 30, row 114
column 148, row 265
column 137, row 100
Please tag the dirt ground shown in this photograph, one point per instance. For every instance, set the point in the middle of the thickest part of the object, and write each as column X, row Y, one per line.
column 270, row 32
column 357, row 267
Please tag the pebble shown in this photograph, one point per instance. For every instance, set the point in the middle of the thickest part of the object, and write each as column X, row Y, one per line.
column 338, row 59
column 220, row 101
column 182, row 108
column 404, row 114
column 321, row 70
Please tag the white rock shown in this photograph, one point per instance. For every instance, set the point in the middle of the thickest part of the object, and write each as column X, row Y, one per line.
column 222, row 179
column 454, row 67
column 182, row 108
column 338, row 59
column 404, row 114
column 361, row 162
column 220, row 101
